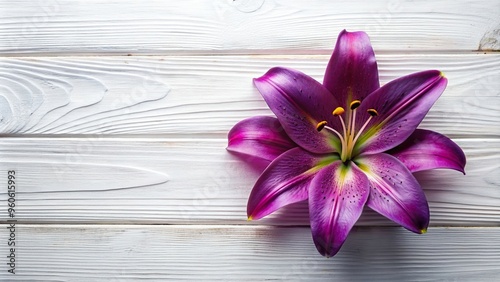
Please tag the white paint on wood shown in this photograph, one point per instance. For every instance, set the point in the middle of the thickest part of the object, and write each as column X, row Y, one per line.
column 258, row 26
column 200, row 94
column 244, row 253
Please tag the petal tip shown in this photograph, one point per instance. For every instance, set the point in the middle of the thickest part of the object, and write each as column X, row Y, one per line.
column 326, row 251
column 461, row 169
column 443, row 79
column 353, row 33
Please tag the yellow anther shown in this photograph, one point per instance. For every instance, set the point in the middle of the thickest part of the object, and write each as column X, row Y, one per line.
column 338, row 111
column 354, row 104
column 372, row 112
column 321, row 125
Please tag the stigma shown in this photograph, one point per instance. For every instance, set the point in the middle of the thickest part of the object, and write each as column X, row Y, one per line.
column 349, row 135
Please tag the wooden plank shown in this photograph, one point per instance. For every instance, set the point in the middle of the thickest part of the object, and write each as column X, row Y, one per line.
column 58, row 27
column 195, row 180
column 209, row 94
column 120, row 161
column 242, row 253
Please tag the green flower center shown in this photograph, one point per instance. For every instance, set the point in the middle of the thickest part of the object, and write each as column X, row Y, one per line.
column 349, row 134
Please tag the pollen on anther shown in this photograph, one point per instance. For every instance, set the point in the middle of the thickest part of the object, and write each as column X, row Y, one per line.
column 338, row 111
column 354, row 104
column 372, row 112
column 321, row 125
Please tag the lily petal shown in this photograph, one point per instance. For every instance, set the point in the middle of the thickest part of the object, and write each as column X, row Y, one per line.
column 300, row 103
column 394, row 192
column 352, row 71
column 337, row 195
column 285, row 181
column 426, row 149
column 401, row 105
column 259, row 137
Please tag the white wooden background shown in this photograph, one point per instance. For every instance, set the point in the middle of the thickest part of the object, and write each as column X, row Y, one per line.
column 114, row 115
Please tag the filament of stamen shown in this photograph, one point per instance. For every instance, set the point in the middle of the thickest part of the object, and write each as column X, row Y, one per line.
column 352, row 117
column 349, row 137
column 360, row 131
column 338, row 112
column 351, row 126
column 338, row 134
column 323, row 125
column 373, row 113
column 343, row 125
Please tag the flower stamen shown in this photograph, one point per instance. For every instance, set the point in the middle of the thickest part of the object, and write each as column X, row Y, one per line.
column 323, row 125
column 372, row 113
column 349, row 136
column 354, row 104
column 338, row 112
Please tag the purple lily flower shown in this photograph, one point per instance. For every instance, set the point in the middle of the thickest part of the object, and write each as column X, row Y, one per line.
column 345, row 143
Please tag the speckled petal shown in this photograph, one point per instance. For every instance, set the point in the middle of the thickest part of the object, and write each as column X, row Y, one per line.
column 285, row 181
column 401, row 105
column 394, row 192
column 426, row 149
column 259, row 137
column 300, row 103
column 337, row 195
column 352, row 71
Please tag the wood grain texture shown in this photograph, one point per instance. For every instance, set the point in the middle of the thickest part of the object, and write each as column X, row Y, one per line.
column 209, row 94
column 239, row 253
column 121, row 167
column 153, row 180
column 58, row 27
